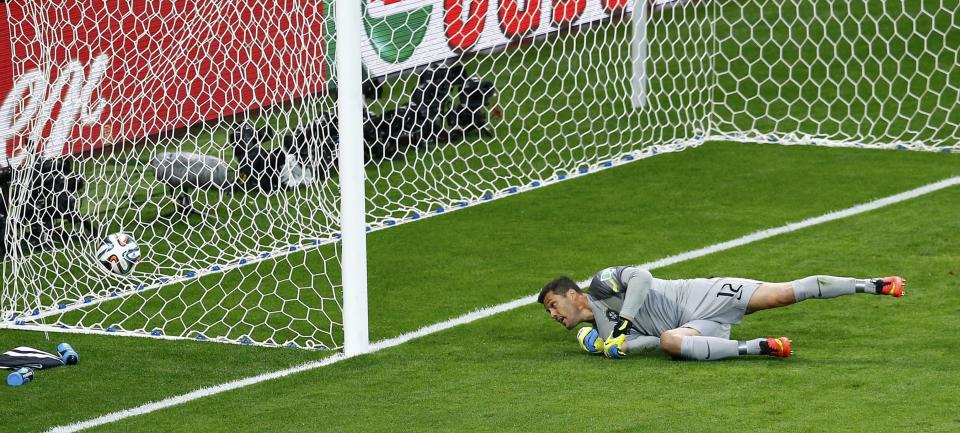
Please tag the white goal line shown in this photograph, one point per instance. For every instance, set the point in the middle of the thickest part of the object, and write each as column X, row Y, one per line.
column 26, row 322
column 490, row 311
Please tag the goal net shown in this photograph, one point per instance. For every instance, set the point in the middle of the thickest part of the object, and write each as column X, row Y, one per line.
column 207, row 130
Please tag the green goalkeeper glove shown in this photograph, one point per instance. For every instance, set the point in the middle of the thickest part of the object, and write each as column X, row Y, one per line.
column 590, row 340
column 614, row 345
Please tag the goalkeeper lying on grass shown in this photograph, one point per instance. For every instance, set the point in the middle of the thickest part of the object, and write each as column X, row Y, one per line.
column 686, row 318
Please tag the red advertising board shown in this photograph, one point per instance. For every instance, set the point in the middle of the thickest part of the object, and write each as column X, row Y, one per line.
column 6, row 67
column 109, row 71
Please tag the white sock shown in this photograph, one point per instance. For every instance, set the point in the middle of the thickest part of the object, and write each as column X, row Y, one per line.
column 825, row 286
column 750, row 347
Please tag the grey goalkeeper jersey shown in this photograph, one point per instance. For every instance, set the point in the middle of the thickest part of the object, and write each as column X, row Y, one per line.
column 654, row 305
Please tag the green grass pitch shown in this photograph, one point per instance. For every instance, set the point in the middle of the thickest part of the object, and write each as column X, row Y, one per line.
column 863, row 363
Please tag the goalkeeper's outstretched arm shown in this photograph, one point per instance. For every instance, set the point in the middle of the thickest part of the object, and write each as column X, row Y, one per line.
column 638, row 282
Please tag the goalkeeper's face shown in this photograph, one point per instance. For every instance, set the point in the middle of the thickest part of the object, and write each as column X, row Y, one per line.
column 564, row 308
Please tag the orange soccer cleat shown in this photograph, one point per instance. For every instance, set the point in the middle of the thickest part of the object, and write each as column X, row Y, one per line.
column 892, row 286
column 779, row 347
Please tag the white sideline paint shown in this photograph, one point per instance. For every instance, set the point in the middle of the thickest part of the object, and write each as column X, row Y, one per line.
column 496, row 309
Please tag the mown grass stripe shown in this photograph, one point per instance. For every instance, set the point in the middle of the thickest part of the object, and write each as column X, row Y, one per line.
column 490, row 311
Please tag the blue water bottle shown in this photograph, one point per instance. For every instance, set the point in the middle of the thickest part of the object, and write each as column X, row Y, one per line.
column 67, row 354
column 20, row 377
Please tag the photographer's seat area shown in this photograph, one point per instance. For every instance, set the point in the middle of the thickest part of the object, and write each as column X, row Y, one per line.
column 431, row 117
column 447, row 105
column 52, row 214
column 5, row 176
column 183, row 172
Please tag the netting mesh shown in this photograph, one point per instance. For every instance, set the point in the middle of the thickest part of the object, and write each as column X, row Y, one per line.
column 857, row 72
column 208, row 131
column 229, row 252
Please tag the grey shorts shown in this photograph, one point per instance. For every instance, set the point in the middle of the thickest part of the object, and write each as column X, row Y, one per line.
column 712, row 305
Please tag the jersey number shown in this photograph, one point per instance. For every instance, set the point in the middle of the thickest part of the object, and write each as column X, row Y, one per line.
column 728, row 290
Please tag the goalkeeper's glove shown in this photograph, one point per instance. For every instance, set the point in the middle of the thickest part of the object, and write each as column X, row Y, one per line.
column 614, row 345
column 590, row 340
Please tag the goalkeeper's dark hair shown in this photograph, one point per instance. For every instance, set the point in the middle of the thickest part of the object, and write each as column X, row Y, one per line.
column 559, row 286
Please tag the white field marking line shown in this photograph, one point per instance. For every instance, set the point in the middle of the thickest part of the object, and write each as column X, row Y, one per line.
column 490, row 311
column 429, row 211
column 593, row 167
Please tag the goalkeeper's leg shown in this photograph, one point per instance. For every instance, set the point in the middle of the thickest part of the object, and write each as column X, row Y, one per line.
column 689, row 344
column 773, row 295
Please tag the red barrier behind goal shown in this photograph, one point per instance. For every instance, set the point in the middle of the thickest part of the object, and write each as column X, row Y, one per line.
column 76, row 76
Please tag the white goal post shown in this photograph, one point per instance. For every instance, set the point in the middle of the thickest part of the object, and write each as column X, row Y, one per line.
column 356, row 338
column 249, row 147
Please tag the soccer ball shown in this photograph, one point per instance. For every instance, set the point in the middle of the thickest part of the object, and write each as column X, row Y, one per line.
column 119, row 254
